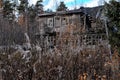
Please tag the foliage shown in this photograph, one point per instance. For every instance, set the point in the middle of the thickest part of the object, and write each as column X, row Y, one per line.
column 32, row 13
column 23, row 6
column 8, row 10
column 39, row 7
column 61, row 7
column 10, row 34
column 48, row 11
column 112, row 11
column 65, row 65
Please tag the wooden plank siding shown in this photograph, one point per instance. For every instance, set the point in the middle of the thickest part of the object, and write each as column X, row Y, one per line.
column 72, row 27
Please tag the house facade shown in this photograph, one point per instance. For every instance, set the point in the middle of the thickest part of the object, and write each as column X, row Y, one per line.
column 73, row 25
column 57, row 21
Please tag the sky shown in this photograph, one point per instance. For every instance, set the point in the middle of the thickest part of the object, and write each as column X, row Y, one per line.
column 71, row 4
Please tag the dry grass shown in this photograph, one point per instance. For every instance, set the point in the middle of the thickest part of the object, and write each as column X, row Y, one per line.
column 56, row 65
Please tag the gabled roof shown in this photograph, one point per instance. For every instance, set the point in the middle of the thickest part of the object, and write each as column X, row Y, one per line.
column 70, row 12
column 83, row 10
column 46, row 14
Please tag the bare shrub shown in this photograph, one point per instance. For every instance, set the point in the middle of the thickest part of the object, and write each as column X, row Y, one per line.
column 55, row 66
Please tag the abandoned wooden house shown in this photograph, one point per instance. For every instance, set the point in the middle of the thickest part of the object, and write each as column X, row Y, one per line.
column 76, row 22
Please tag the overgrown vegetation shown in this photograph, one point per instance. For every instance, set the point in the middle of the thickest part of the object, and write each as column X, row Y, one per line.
column 56, row 65
column 112, row 11
column 10, row 33
column 66, row 60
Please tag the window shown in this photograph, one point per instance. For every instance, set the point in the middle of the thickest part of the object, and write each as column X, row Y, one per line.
column 50, row 22
column 57, row 18
column 64, row 21
column 57, row 21
column 64, row 18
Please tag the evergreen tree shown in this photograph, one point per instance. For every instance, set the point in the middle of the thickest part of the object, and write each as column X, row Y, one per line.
column 48, row 11
column 32, row 13
column 34, row 10
column 112, row 11
column 62, row 7
column 23, row 11
column 8, row 10
column 23, row 6
column 39, row 7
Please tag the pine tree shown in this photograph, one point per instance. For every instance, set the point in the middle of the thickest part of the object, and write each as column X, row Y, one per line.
column 23, row 12
column 8, row 10
column 32, row 13
column 23, row 6
column 61, row 7
column 39, row 7
column 112, row 11
column 48, row 11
